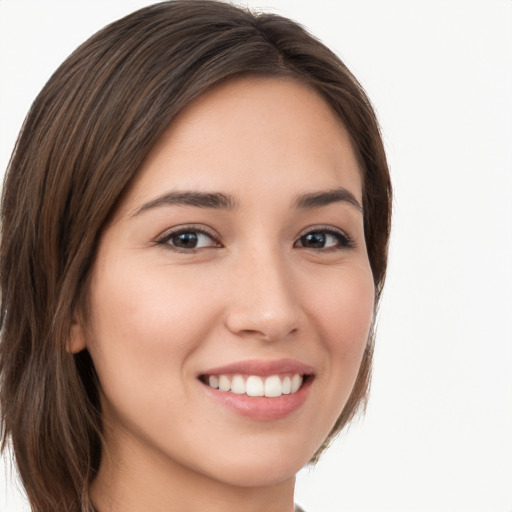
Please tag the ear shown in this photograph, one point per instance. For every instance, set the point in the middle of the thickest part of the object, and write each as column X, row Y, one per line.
column 76, row 342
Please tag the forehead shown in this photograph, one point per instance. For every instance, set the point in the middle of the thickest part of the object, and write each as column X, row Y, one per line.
column 250, row 132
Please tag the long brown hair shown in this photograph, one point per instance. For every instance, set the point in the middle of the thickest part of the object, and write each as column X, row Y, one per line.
column 82, row 142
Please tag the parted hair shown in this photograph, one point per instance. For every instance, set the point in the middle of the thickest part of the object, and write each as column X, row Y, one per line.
column 81, row 144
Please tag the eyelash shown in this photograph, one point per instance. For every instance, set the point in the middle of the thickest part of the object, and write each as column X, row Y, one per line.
column 343, row 240
column 164, row 240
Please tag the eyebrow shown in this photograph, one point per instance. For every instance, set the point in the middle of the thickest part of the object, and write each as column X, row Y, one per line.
column 222, row 201
column 325, row 198
column 215, row 200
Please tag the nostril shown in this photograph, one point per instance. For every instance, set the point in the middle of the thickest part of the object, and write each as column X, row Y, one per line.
column 268, row 316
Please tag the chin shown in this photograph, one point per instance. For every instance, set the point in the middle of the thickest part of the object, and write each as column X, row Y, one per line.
column 259, row 467
column 262, row 474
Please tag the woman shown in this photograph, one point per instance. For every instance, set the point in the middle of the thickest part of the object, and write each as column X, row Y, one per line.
column 195, row 224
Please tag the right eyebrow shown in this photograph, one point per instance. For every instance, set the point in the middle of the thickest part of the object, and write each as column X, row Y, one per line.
column 215, row 200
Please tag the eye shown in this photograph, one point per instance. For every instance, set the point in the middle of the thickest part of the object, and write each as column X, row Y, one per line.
column 324, row 239
column 188, row 239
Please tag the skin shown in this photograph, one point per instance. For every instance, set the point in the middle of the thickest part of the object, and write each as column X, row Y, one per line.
column 161, row 315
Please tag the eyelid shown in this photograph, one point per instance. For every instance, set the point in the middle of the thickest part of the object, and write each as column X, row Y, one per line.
column 164, row 237
column 348, row 241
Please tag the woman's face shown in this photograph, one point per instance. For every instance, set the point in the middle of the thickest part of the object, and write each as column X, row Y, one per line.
column 236, row 259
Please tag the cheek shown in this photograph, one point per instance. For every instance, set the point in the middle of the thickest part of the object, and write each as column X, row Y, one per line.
column 344, row 315
column 150, row 302
column 344, row 311
column 144, row 326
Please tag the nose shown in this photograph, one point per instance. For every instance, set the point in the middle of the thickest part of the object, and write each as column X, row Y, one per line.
column 264, row 300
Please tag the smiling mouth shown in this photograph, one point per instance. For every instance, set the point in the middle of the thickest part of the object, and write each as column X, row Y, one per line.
column 272, row 386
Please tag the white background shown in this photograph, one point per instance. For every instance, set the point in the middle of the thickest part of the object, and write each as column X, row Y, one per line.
column 438, row 432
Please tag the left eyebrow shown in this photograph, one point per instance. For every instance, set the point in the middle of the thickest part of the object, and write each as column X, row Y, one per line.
column 325, row 198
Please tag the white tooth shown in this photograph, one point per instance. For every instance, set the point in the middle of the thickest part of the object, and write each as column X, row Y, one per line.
column 287, row 385
column 296, row 382
column 238, row 385
column 273, row 386
column 213, row 381
column 254, row 386
column 224, row 384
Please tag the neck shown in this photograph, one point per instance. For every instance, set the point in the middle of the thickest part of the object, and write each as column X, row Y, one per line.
column 153, row 483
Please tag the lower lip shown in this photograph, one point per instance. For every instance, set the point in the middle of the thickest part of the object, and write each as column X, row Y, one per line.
column 259, row 407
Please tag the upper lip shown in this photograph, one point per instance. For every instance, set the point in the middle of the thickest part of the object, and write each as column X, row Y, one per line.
column 261, row 367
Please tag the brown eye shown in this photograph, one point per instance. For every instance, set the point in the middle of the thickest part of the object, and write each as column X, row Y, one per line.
column 185, row 240
column 315, row 240
column 189, row 239
column 323, row 239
